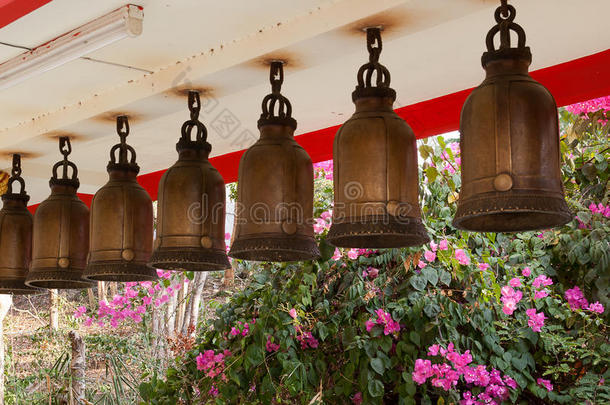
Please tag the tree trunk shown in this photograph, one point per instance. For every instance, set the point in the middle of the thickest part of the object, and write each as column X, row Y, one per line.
column 171, row 314
column 114, row 289
column 181, row 304
column 195, row 301
column 101, row 291
column 77, row 368
column 229, row 278
column 91, row 298
column 53, row 310
column 5, row 304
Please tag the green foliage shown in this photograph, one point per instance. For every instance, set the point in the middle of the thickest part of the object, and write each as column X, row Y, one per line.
column 443, row 302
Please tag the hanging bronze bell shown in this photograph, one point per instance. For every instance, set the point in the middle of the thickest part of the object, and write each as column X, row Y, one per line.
column 274, row 210
column 15, row 236
column 61, row 231
column 509, row 140
column 191, row 207
column 375, row 167
column 121, row 227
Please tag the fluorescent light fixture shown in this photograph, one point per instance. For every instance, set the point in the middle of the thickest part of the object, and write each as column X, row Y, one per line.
column 121, row 23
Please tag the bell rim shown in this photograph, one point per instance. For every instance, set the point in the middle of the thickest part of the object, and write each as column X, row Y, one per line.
column 365, row 233
column 17, row 287
column 267, row 248
column 473, row 209
column 70, row 279
column 120, row 272
column 189, row 259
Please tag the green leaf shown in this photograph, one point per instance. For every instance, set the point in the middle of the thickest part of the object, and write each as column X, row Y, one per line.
column 418, row 282
column 414, row 337
column 377, row 365
column 445, row 277
column 375, row 388
column 432, row 310
column 430, row 274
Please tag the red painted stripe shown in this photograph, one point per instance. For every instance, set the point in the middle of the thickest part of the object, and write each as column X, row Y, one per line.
column 570, row 82
column 12, row 10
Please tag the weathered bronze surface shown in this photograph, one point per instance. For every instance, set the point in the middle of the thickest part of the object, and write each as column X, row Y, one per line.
column 121, row 235
column 509, row 139
column 274, row 210
column 191, row 206
column 375, row 167
column 60, row 241
column 15, row 236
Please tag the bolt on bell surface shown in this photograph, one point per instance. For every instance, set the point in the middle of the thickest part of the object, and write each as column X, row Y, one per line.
column 191, row 207
column 16, row 224
column 375, row 167
column 509, row 140
column 274, row 209
column 60, row 242
column 121, row 226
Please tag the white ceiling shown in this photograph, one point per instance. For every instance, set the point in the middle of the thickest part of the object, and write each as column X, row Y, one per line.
column 432, row 48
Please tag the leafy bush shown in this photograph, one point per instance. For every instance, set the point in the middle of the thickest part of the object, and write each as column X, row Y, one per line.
column 472, row 317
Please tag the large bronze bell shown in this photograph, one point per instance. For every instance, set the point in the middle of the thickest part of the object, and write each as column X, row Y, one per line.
column 61, row 231
column 375, row 167
column 191, row 210
column 121, row 235
column 15, row 236
column 274, row 210
column 509, row 139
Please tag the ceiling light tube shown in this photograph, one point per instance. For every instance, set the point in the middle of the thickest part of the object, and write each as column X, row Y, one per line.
column 121, row 23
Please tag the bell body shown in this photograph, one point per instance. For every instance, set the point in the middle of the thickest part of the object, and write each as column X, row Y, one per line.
column 376, row 180
column 274, row 210
column 191, row 215
column 16, row 224
column 121, row 230
column 509, row 139
column 60, row 241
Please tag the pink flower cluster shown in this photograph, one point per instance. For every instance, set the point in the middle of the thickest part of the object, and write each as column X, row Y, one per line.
column 370, row 273
column 455, row 150
column 323, row 223
column 212, row 364
column 447, row 375
column 462, row 257
column 545, row 383
column 510, row 297
column 600, row 209
column 306, row 339
column 442, row 245
column 270, row 346
column 241, row 328
column 590, row 106
column 576, row 299
column 536, row 320
column 384, row 319
column 324, row 169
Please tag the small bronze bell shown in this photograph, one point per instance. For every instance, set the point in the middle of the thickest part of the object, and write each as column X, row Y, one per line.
column 274, row 210
column 509, row 139
column 61, row 232
column 191, row 210
column 15, row 236
column 375, row 167
column 121, row 235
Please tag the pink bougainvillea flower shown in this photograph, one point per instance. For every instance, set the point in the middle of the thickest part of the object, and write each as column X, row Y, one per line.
column 433, row 350
column 337, row 255
column 515, row 282
column 270, row 346
column 80, row 311
column 443, row 245
column 371, row 273
column 430, row 255
column 542, row 281
column 596, row 307
column 576, row 299
column 483, row 266
column 536, row 320
column 421, row 264
column 540, row 294
column 433, row 246
column 461, row 257
column 293, row 313
column 352, row 254
column 526, row 271
column 545, row 383
column 357, row 398
column 369, row 324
